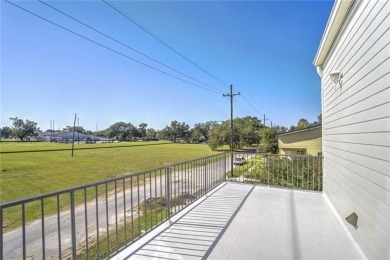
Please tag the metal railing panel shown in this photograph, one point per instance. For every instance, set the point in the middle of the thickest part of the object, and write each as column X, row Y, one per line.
column 285, row 171
column 97, row 220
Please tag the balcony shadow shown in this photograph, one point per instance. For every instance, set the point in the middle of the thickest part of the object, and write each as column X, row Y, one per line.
column 195, row 234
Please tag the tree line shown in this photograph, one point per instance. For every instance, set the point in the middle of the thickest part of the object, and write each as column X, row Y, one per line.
column 248, row 131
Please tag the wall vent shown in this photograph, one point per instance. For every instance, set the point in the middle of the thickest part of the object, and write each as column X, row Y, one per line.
column 352, row 219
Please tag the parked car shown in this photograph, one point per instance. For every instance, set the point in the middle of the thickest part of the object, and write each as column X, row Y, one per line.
column 239, row 161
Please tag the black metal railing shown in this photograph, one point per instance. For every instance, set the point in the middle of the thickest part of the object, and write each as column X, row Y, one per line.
column 95, row 221
column 287, row 171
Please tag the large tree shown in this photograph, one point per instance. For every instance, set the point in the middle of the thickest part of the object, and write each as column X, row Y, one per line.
column 247, row 129
column 164, row 133
column 202, row 131
column 280, row 129
column 23, row 129
column 101, row 133
column 142, row 130
column 302, row 124
column 176, row 130
column 318, row 122
column 5, row 132
column 219, row 135
column 122, row 131
column 269, row 141
column 78, row 129
column 151, row 134
column 245, row 133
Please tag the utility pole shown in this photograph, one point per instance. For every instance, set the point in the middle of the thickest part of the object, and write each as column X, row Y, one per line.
column 267, row 119
column 231, row 95
column 78, row 131
column 74, row 128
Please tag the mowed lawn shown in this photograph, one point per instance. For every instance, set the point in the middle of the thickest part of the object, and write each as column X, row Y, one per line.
column 26, row 174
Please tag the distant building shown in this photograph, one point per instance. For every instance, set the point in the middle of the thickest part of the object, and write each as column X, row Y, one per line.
column 353, row 61
column 64, row 137
column 48, row 135
column 302, row 142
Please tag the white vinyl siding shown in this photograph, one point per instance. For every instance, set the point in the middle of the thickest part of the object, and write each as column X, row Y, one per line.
column 356, row 125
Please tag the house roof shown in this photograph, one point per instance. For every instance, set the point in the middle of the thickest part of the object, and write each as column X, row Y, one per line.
column 54, row 132
column 302, row 130
column 336, row 19
column 69, row 135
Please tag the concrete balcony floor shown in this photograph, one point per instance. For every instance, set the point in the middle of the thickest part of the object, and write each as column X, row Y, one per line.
column 242, row 221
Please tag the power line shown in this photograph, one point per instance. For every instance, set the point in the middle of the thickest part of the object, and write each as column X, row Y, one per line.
column 161, row 41
column 246, row 100
column 239, row 106
column 261, row 116
column 127, row 46
column 110, row 49
column 247, row 112
column 243, row 112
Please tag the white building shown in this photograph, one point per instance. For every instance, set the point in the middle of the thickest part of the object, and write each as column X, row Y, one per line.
column 356, row 118
column 62, row 136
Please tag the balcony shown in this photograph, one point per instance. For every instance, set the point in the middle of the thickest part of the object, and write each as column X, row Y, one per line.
column 243, row 221
column 269, row 207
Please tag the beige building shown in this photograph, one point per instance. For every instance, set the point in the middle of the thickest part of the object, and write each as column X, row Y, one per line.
column 301, row 142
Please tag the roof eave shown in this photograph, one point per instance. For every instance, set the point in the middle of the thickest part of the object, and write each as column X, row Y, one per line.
column 301, row 130
column 336, row 19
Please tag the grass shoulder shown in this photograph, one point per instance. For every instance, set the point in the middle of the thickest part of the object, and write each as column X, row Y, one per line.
column 29, row 174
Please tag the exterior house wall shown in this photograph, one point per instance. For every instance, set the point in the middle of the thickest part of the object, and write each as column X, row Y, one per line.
column 309, row 140
column 356, row 124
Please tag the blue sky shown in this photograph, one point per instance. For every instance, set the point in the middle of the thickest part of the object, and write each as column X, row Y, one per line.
column 264, row 48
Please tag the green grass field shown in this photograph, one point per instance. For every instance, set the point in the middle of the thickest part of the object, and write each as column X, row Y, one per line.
column 26, row 174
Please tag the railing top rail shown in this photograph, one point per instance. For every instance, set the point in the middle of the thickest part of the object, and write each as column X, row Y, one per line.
column 280, row 155
column 93, row 184
column 131, row 175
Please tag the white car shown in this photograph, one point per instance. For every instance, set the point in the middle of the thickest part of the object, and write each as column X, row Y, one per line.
column 239, row 161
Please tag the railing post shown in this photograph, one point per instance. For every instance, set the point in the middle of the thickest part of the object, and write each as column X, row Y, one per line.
column 24, row 230
column 1, row 234
column 205, row 176
column 73, row 224
column 43, row 229
column 268, row 163
column 307, row 172
column 224, row 170
column 321, row 174
column 312, row 162
column 168, row 191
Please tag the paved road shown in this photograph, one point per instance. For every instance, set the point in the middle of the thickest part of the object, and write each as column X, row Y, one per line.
column 107, row 213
